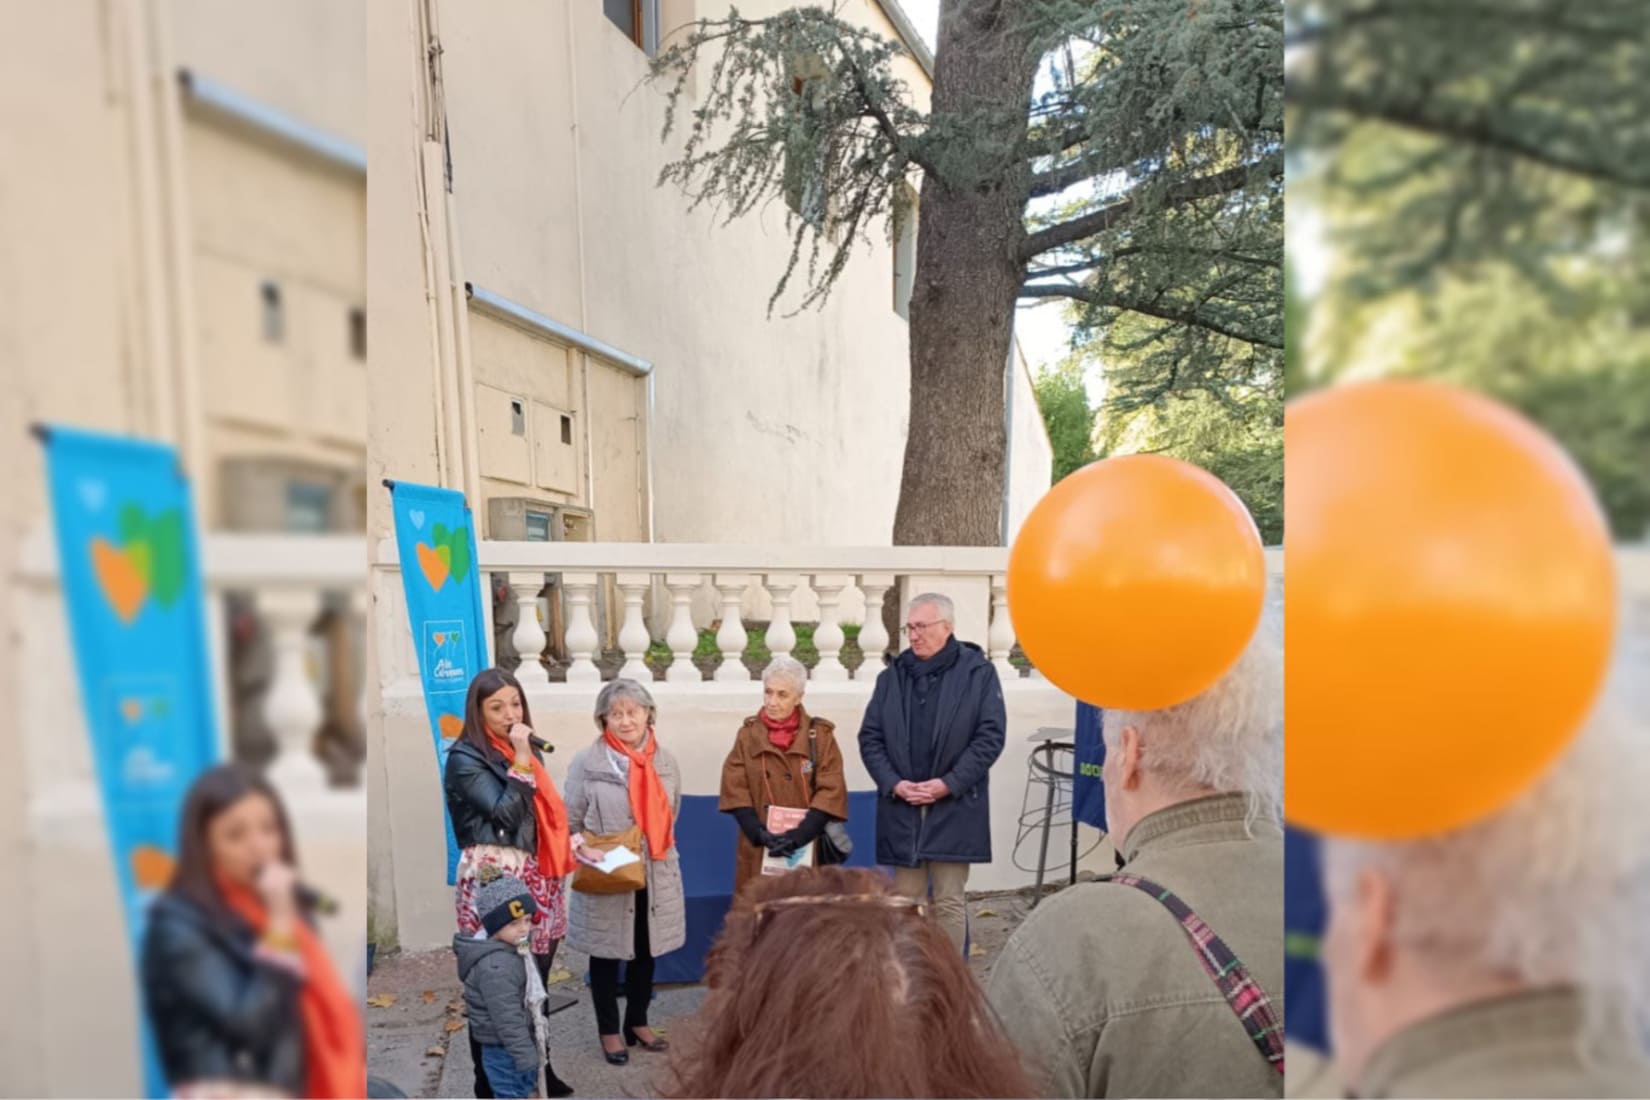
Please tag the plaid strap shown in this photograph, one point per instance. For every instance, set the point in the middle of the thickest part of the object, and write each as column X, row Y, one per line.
column 1245, row 995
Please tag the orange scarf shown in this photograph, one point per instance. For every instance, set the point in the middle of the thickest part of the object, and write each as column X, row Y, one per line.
column 555, row 854
column 649, row 804
column 335, row 1047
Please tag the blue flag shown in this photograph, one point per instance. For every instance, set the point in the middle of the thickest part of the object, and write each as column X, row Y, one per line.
column 435, row 539
column 130, row 563
column 1305, row 1001
column 1088, row 794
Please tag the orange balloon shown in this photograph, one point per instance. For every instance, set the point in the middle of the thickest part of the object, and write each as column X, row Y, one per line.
column 1136, row 582
column 1450, row 611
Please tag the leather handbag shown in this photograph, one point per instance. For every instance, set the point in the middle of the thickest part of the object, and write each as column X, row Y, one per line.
column 834, row 846
column 627, row 879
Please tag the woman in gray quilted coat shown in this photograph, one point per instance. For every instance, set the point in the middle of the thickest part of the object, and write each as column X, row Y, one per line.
column 624, row 780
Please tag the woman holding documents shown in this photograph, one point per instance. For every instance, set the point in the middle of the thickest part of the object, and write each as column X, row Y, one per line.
column 506, row 813
column 783, row 779
column 623, row 794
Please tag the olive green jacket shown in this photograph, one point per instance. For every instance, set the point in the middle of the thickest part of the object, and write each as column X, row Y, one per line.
column 1527, row 1044
column 1102, row 990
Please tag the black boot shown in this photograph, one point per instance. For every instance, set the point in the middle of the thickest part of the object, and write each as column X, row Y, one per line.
column 554, row 1087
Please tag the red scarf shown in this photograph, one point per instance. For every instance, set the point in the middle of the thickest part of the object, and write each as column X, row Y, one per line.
column 335, row 1046
column 649, row 804
column 782, row 735
column 555, row 851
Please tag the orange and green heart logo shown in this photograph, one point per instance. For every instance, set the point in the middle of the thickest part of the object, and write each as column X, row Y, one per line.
column 132, row 709
column 151, row 867
column 451, row 726
column 146, row 560
column 448, row 555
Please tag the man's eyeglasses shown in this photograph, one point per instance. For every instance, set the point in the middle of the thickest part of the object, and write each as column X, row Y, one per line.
column 917, row 628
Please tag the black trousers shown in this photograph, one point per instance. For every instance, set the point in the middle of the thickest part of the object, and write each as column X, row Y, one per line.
column 484, row 1087
column 638, row 980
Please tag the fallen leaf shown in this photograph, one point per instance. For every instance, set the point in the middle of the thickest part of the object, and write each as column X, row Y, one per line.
column 456, row 1005
column 383, row 1000
column 556, row 977
column 429, row 996
column 454, row 1025
column 975, row 951
column 435, row 1052
column 983, row 913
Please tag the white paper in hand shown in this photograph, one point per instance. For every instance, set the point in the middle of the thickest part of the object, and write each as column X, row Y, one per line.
column 618, row 857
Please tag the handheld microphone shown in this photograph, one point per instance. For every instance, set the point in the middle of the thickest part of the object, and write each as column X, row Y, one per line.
column 315, row 901
column 540, row 743
column 308, row 897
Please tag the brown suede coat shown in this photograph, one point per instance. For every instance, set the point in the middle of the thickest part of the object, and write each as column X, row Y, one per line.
column 757, row 775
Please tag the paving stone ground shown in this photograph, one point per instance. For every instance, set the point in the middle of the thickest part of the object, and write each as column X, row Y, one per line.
column 415, row 1016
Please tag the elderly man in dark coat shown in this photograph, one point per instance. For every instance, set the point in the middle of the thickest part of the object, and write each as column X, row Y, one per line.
column 931, row 732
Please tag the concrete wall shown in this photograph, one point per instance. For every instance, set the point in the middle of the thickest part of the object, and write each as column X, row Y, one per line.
column 555, row 153
column 128, row 222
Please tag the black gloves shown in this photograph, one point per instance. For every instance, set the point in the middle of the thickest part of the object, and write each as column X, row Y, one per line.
column 801, row 836
column 783, row 844
column 751, row 826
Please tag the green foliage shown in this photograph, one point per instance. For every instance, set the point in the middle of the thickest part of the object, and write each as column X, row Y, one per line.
column 1182, row 275
column 1151, row 168
column 1459, row 132
column 799, row 103
column 1483, row 170
column 1239, row 441
column 1064, row 403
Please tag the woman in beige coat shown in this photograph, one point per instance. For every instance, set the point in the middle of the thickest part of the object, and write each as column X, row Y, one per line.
column 624, row 780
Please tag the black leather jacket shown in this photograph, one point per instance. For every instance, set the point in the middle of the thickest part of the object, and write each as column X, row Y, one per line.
column 486, row 805
column 218, row 1012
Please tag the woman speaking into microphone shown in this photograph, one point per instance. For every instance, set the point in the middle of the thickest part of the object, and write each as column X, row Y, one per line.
column 239, row 990
column 507, row 813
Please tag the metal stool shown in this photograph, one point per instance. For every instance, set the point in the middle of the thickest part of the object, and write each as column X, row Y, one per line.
column 1048, row 799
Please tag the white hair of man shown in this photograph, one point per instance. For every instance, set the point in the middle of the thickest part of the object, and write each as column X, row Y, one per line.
column 1228, row 739
column 942, row 604
column 1554, row 889
column 788, row 669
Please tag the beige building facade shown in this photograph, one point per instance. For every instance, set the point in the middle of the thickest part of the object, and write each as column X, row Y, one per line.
column 184, row 215
column 591, row 359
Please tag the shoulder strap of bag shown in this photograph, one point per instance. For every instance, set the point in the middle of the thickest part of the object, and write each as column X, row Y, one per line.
column 813, row 760
column 1242, row 992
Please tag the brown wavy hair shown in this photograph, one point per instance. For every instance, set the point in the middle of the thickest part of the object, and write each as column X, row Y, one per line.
column 826, row 983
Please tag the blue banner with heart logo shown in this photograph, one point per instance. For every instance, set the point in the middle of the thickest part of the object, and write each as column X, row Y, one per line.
column 130, row 564
column 435, row 540
column 1088, row 793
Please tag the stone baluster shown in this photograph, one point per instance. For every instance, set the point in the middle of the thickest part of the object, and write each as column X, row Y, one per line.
column 681, row 637
column 781, row 636
column 360, row 603
column 217, row 629
column 730, row 637
column 634, row 638
column 292, row 707
column 1000, row 637
column 529, row 637
column 873, row 635
column 829, row 637
column 582, row 639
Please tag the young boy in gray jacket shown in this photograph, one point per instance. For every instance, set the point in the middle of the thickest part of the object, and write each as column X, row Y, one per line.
column 500, row 983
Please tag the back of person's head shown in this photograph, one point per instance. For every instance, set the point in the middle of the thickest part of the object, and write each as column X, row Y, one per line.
column 825, row 983
column 1228, row 739
column 1553, row 890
